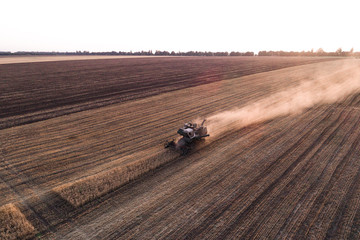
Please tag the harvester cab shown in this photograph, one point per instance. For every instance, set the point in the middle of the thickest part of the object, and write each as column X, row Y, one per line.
column 190, row 132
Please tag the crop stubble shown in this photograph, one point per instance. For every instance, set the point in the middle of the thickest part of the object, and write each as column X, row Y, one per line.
column 264, row 180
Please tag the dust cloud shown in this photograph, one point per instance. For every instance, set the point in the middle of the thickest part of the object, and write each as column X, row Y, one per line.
column 322, row 89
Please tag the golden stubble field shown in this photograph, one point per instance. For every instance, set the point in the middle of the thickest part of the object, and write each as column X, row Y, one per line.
column 281, row 162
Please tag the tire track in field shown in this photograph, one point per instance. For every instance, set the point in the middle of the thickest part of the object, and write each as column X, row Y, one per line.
column 269, row 171
column 306, row 201
column 353, row 230
column 307, row 225
column 295, row 188
column 317, row 146
column 340, row 226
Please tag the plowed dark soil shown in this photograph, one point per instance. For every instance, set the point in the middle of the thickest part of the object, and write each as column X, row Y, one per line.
column 33, row 92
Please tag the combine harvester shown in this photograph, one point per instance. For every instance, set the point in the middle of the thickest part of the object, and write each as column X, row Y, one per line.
column 190, row 133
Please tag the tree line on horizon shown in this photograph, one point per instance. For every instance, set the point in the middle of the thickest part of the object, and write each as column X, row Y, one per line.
column 131, row 53
column 319, row 53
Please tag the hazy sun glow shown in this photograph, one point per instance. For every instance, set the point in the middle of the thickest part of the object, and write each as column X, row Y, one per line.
column 108, row 25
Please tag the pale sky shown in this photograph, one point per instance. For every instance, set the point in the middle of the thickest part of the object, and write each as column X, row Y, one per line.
column 52, row 25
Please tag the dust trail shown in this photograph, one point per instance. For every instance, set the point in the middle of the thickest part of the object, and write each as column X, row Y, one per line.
column 322, row 89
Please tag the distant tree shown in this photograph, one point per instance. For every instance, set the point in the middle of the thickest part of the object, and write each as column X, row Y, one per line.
column 339, row 52
column 235, row 54
column 162, row 53
column 262, row 53
column 221, row 54
column 320, row 52
column 351, row 53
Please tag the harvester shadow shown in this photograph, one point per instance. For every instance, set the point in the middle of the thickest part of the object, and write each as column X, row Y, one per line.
column 46, row 211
